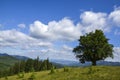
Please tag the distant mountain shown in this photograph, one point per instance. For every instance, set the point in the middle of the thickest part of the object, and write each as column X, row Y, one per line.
column 68, row 63
column 20, row 57
column 64, row 62
column 108, row 63
column 57, row 65
column 15, row 56
column 8, row 60
column 3, row 54
column 77, row 63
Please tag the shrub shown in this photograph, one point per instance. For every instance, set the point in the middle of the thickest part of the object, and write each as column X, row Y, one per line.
column 52, row 70
column 57, row 70
column 20, row 75
column 6, row 78
column 66, row 69
column 32, row 77
column 90, row 70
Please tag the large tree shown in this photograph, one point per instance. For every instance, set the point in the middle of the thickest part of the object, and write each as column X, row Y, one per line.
column 92, row 47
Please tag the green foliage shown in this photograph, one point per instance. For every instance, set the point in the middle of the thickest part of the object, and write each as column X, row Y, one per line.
column 57, row 70
column 29, row 65
column 20, row 75
column 32, row 70
column 6, row 62
column 6, row 78
column 52, row 70
column 92, row 47
column 32, row 77
column 37, row 64
column 66, row 69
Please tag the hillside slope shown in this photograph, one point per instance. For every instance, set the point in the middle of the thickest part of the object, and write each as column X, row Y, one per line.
column 7, row 61
column 83, row 73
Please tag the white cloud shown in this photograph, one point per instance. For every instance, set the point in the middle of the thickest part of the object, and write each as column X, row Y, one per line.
column 116, row 54
column 40, row 41
column 21, row 25
column 94, row 20
column 61, row 30
column 115, row 16
column 67, row 48
column 65, row 29
column 13, row 38
column 52, row 53
column 39, row 30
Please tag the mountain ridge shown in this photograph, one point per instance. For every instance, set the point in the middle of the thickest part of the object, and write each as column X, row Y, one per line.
column 7, row 60
column 77, row 63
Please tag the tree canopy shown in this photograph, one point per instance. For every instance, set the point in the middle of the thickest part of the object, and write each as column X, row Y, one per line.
column 92, row 47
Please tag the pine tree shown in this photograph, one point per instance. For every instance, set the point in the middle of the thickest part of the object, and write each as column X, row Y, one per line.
column 29, row 65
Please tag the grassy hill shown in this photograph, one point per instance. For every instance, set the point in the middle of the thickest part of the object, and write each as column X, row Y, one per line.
column 83, row 73
column 7, row 61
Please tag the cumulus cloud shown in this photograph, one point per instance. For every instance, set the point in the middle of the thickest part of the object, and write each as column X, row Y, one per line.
column 115, row 16
column 65, row 29
column 21, row 25
column 116, row 54
column 42, row 37
column 67, row 48
column 13, row 38
column 39, row 30
column 94, row 20
column 52, row 53
column 61, row 30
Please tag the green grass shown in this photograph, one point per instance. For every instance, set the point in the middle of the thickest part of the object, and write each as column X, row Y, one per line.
column 86, row 73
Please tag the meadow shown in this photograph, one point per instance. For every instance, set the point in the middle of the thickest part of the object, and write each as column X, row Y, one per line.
column 69, row 73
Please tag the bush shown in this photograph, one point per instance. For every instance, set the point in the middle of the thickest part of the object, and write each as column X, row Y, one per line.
column 32, row 77
column 66, row 69
column 57, row 70
column 6, row 78
column 20, row 75
column 52, row 70
column 90, row 70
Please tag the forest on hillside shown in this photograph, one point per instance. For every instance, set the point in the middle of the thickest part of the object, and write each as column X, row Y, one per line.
column 29, row 65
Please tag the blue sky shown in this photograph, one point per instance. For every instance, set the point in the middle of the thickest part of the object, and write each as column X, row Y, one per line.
column 50, row 28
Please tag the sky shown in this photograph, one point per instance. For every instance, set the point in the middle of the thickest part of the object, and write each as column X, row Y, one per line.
column 51, row 28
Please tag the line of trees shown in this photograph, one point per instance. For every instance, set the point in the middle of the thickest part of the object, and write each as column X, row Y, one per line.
column 29, row 65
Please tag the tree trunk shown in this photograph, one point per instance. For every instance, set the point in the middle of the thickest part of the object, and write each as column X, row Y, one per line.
column 94, row 63
column 94, row 60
